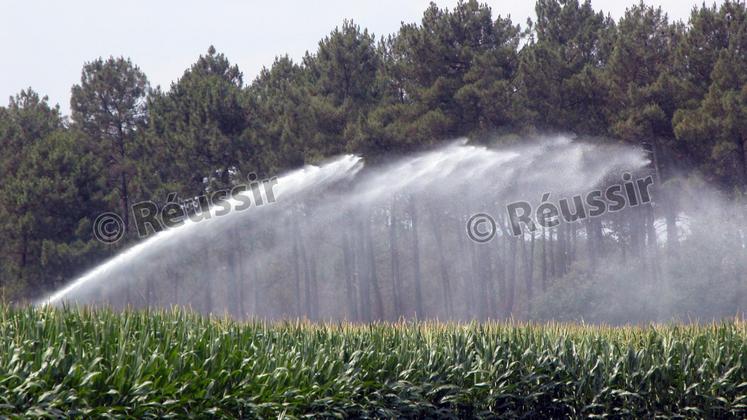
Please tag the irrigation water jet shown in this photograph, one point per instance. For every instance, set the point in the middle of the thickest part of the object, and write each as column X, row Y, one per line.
column 344, row 241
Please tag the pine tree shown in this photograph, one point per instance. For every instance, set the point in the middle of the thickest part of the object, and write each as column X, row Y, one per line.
column 343, row 77
column 197, row 127
column 109, row 106
column 712, row 123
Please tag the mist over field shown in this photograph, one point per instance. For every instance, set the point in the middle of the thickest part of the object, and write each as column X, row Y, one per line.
column 384, row 152
column 347, row 242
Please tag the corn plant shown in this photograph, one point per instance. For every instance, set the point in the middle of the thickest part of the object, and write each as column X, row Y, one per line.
column 83, row 362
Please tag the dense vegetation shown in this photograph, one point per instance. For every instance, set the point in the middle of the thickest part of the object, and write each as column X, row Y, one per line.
column 679, row 86
column 84, row 363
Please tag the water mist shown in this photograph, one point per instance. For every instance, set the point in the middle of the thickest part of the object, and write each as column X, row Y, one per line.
column 347, row 241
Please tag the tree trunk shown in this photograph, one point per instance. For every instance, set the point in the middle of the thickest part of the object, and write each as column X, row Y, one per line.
column 529, row 273
column 208, row 296
column 304, row 263
column 364, row 283
column 394, row 257
column 257, row 290
column 297, row 273
column 445, row 281
column 477, row 286
column 232, row 285
column 591, row 245
column 416, row 261
column 551, row 247
column 511, row 289
column 372, row 276
column 743, row 161
column 544, row 259
column 348, row 265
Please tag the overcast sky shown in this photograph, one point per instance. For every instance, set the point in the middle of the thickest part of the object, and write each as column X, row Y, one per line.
column 46, row 43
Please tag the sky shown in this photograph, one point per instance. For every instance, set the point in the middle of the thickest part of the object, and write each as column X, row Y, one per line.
column 47, row 43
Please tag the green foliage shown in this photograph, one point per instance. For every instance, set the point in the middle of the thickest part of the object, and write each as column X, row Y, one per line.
column 562, row 70
column 109, row 103
column 62, row 188
column 344, row 87
column 453, row 73
column 197, row 126
column 281, row 121
column 640, row 96
column 86, row 363
column 47, row 198
column 718, row 127
column 109, row 107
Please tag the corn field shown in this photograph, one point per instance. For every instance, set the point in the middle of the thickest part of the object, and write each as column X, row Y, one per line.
column 97, row 363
